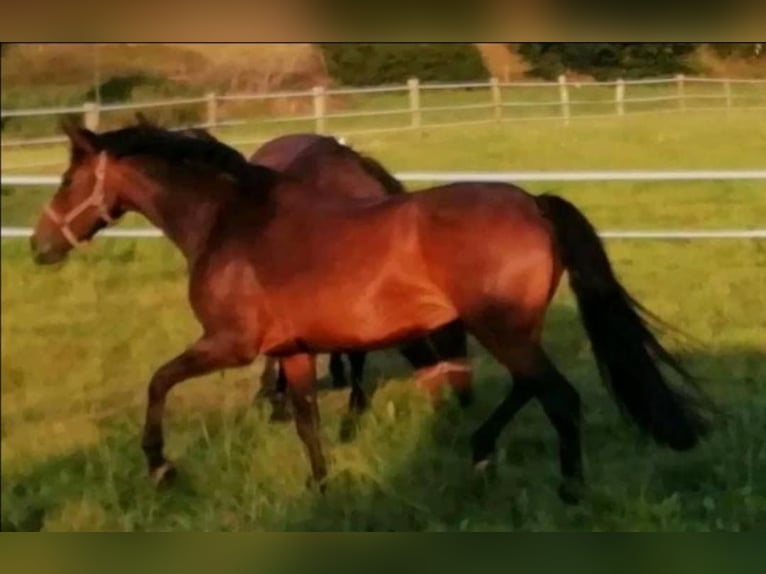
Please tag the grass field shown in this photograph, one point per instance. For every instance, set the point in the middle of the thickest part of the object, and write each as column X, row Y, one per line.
column 80, row 342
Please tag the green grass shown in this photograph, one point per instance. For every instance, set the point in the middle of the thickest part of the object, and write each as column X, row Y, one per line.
column 80, row 342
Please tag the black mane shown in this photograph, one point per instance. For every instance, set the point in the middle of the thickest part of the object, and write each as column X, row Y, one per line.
column 375, row 169
column 178, row 147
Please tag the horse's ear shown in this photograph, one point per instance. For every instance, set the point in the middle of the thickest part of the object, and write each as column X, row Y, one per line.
column 83, row 140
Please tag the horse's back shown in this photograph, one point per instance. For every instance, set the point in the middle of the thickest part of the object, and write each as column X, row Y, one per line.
column 329, row 168
column 279, row 152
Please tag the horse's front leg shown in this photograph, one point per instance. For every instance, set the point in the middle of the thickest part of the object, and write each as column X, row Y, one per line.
column 211, row 353
column 300, row 371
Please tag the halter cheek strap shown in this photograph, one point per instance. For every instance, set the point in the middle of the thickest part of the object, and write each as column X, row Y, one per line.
column 97, row 199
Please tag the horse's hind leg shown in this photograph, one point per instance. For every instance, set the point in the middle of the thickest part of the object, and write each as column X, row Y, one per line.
column 561, row 402
column 441, row 358
column 484, row 438
column 358, row 400
column 280, row 411
column 274, row 389
column 338, row 371
column 535, row 376
column 450, row 344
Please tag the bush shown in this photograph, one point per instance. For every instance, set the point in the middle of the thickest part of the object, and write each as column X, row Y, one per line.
column 371, row 64
column 154, row 90
column 605, row 60
column 120, row 88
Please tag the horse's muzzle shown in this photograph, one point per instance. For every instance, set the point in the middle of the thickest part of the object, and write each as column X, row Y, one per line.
column 44, row 253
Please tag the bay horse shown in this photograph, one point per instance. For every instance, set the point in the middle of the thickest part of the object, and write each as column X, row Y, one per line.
column 263, row 263
column 334, row 170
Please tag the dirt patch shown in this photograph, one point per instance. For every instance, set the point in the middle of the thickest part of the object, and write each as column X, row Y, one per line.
column 503, row 62
column 711, row 64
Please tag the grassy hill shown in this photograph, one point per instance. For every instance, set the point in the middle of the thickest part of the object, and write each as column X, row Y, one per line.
column 47, row 74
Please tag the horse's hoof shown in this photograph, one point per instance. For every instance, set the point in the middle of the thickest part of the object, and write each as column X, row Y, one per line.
column 482, row 466
column 164, row 475
column 481, row 449
column 485, row 470
column 571, row 491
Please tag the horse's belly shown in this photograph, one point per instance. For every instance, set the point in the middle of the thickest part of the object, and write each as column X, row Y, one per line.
column 378, row 317
column 378, row 327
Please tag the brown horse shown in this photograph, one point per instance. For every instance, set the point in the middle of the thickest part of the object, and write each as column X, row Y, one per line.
column 263, row 262
column 333, row 170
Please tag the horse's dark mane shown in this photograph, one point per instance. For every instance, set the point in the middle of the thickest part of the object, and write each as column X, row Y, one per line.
column 375, row 169
column 178, row 147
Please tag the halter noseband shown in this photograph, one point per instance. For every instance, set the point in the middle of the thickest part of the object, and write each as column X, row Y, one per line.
column 95, row 199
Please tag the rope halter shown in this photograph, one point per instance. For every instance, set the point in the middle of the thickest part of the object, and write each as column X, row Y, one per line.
column 97, row 199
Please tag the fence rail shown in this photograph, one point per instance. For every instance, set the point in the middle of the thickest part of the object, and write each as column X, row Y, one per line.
column 515, row 176
column 492, row 95
column 508, row 176
column 663, row 234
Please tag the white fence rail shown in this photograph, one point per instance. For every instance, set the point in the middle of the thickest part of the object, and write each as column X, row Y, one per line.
column 664, row 234
column 515, row 176
column 503, row 102
column 509, row 176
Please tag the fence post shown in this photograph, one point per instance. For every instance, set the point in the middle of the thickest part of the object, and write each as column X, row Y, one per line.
column 619, row 96
column 319, row 108
column 564, row 94
column 497, row 101
column 211, row 105
column 680, row 90
column 413, row 85
column 90, row 115
column 727, row 92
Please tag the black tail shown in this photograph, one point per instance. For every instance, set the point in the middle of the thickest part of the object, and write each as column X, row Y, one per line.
column 628, row 354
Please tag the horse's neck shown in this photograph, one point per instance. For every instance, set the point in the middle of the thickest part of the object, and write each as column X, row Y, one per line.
column 184, row 211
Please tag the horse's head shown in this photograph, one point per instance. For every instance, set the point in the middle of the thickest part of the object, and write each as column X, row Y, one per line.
column 82, row 205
